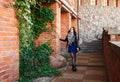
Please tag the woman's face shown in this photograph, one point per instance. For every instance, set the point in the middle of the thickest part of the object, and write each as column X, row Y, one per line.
column 71, row 30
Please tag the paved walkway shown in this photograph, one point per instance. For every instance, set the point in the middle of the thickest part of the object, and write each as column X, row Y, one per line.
column 91, row 68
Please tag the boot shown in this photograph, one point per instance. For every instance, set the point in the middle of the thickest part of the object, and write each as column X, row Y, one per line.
column 74, row 68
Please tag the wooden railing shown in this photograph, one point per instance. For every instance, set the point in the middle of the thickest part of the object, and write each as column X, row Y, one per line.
column 112, row 57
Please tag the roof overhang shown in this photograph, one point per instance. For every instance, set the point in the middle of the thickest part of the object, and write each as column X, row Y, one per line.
column 66, row 7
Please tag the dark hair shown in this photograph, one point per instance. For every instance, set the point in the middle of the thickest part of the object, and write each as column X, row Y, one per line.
column 73, row 30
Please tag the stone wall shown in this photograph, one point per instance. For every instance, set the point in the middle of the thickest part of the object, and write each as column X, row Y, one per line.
column 95, row 18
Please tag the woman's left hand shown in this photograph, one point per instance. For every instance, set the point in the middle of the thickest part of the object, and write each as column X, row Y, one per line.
column 77, row 49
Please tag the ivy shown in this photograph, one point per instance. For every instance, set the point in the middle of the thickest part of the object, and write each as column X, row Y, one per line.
column 33, row 17
column 40, row 18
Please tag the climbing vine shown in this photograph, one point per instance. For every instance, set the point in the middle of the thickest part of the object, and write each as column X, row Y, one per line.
column 33, row 17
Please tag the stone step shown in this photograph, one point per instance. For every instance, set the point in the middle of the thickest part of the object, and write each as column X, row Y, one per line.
column 91, row 51
column 85, row 46
column 94, row 46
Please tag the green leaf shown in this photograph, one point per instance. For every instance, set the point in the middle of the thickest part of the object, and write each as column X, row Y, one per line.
column 33, row 18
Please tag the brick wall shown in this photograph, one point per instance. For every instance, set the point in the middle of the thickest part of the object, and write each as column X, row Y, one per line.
column 65, row 25
column 55, row 33
column 74, row 23
column 115, row 37
column 62, row 22
column 9, row 43
column 111, row 58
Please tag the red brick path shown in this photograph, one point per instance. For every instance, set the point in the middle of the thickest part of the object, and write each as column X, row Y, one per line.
column 91, row 68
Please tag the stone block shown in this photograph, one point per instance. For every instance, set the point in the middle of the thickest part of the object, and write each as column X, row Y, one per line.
column 58, row 61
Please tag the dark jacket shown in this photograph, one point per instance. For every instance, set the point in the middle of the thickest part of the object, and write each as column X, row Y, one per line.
column 74, row 43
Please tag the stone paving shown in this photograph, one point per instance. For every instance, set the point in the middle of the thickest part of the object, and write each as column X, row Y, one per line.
column 91, row 68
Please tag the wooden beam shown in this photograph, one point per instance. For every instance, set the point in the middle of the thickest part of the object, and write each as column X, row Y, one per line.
column 117, row 3
column 108, row 2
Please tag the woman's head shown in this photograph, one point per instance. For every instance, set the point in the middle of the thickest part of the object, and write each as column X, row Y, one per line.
column 72, row 30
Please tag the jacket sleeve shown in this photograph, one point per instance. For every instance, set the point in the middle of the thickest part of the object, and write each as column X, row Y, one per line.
column 64, row 40
column 76, row 39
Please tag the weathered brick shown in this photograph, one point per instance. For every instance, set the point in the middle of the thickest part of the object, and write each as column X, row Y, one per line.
column 8, row 80
column 7, row 58
column 5, row 33
column 9, row 42
column 6, row 76
column 2, row 53
column 1, row 78
column 4, row 18
column 6, row 24
column 4, row 67
column 2, row 73
column 9, row 29
column 2, row 63
column 9, row 48
column 9, row 38
column 3, row 13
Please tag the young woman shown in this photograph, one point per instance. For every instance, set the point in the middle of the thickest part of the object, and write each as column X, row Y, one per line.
column 72, row 44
